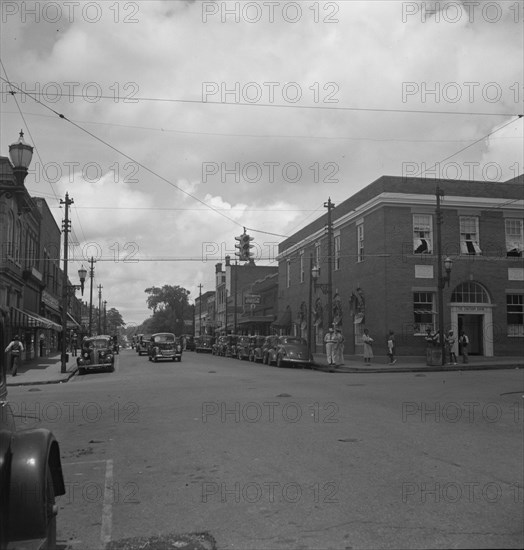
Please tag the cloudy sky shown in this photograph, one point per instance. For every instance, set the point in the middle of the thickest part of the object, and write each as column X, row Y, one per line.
column 187, row 121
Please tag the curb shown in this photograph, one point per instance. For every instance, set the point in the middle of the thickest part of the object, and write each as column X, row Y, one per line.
column 452, row 368
column 67, row 376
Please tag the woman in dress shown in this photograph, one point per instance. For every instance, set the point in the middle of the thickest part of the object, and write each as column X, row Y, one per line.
column 368, row 347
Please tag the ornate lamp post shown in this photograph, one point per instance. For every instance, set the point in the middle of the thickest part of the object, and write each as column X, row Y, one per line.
column 21, row 154
column 70, row 291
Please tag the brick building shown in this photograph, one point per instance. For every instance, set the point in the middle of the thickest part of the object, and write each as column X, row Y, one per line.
column 384, row 266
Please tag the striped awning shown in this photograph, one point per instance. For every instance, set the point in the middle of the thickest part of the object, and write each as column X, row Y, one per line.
column 72, row 322
column 26, row 319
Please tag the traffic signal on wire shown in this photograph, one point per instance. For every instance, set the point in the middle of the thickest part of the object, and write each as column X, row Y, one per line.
column 243, row 247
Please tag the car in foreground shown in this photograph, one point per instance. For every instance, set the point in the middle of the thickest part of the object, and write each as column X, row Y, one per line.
column 96, row 354
column 165, row 346
column 30, row 479
column 255, row 348
column 293, row 350
column 204, row 344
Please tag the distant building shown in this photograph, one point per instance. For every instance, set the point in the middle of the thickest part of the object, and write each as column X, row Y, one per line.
column 204, row 309
column 384, row 272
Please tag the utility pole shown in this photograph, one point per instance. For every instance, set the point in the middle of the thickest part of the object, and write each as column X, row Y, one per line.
column 66, row 228
column 100, row 309
column 440, row 296
column 105, row 316
column 200, row 309
column 235, row 302
column 329, row 205
column 91, row 275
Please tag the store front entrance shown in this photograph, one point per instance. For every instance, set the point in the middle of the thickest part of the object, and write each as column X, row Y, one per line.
column 472, row 326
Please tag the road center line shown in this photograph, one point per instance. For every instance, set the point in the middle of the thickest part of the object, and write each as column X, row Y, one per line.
column 107, row 510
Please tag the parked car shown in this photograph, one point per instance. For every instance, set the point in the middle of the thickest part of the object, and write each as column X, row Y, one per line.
column 242, row 347
column 269, row 350
column 204, row 343
column 96, row 353
column 231, row 345
column 30, row 479
column 164, row 345
column 255, row 348
column 293, row 350
column 215, row 348
column 142, row 344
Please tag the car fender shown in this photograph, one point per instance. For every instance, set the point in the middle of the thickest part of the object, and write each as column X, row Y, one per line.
column 33, row 451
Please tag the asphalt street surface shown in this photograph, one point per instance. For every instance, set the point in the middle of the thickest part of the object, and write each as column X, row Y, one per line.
column 218, row 453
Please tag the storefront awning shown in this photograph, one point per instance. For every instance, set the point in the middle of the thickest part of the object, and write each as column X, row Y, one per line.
column 72, row 322
column 26, row 319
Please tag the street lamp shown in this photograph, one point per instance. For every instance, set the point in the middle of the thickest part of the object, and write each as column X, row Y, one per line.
column 69, row 292
column 315, row 274
column 21, row 154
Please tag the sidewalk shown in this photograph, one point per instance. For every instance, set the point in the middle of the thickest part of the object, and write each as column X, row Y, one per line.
column 416, row 364
column 42, row 370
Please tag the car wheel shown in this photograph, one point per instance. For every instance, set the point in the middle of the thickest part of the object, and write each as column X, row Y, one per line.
column 50, row 511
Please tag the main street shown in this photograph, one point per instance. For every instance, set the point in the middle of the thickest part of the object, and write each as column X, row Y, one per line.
column 266, row 458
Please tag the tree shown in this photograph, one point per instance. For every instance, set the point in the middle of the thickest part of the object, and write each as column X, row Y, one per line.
column 114, row 320
column 170, row 307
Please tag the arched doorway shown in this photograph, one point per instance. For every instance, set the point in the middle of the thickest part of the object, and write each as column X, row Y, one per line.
column 471, row 312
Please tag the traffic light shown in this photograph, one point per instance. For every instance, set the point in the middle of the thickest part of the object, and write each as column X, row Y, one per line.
column 240, row 248
column 246, row 247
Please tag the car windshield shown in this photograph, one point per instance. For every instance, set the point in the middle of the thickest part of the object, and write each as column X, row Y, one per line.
column 100, row 343
column 291, row 340
column 163, row 338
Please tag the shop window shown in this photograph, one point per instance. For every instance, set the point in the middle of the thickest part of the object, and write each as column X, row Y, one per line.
column 515, row 314
column 423, row 312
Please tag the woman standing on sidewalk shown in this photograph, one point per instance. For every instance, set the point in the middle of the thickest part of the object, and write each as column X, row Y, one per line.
column 16, row 348
column 368, row 349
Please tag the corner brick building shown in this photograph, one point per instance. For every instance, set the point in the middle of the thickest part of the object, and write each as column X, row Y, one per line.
column 384, row 266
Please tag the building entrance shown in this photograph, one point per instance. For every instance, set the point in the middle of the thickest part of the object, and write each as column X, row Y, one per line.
column 472, row 326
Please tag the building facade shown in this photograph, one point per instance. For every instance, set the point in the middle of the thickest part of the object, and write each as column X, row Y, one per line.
column 384, row 266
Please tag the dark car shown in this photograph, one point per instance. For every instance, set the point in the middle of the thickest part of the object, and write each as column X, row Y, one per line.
column 242, row 347
column 96, row 353
column 231, row 345
column 142, row 344
column 164, row 345
column 293, row 350
column 255, row 348
column 204, row 343
column 30, row 479
column 269, row 350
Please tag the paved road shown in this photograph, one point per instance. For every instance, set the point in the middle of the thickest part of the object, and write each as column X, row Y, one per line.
column 255, row 457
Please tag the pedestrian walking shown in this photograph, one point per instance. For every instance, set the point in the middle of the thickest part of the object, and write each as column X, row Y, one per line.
column 464, row 343
column 339, row 347
column 368, row 347
column 391, row 347
column 16, row 348
column 74, row 344
column 330, row 341
column 452, row 348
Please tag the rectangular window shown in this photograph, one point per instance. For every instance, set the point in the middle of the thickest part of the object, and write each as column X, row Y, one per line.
column 469, row 235
column 317, row 254
column 422, row 234
column 301, row 266
column 515, row 314
column 288, row 274
column 423, row 313
column 514, row 238
column 337, row 251
column 360, row 242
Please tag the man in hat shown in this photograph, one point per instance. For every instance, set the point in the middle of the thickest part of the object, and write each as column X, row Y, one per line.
column 16, row 348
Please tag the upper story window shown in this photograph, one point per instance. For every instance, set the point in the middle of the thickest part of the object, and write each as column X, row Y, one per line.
column 360, row 242
column 469, row 235
column 317, row 254
column 301, row 260
column 336, row 242
column 288, row 274
column 422, row 234
column 514, row 237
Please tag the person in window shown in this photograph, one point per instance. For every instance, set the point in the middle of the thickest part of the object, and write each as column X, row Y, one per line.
column 16, row 348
